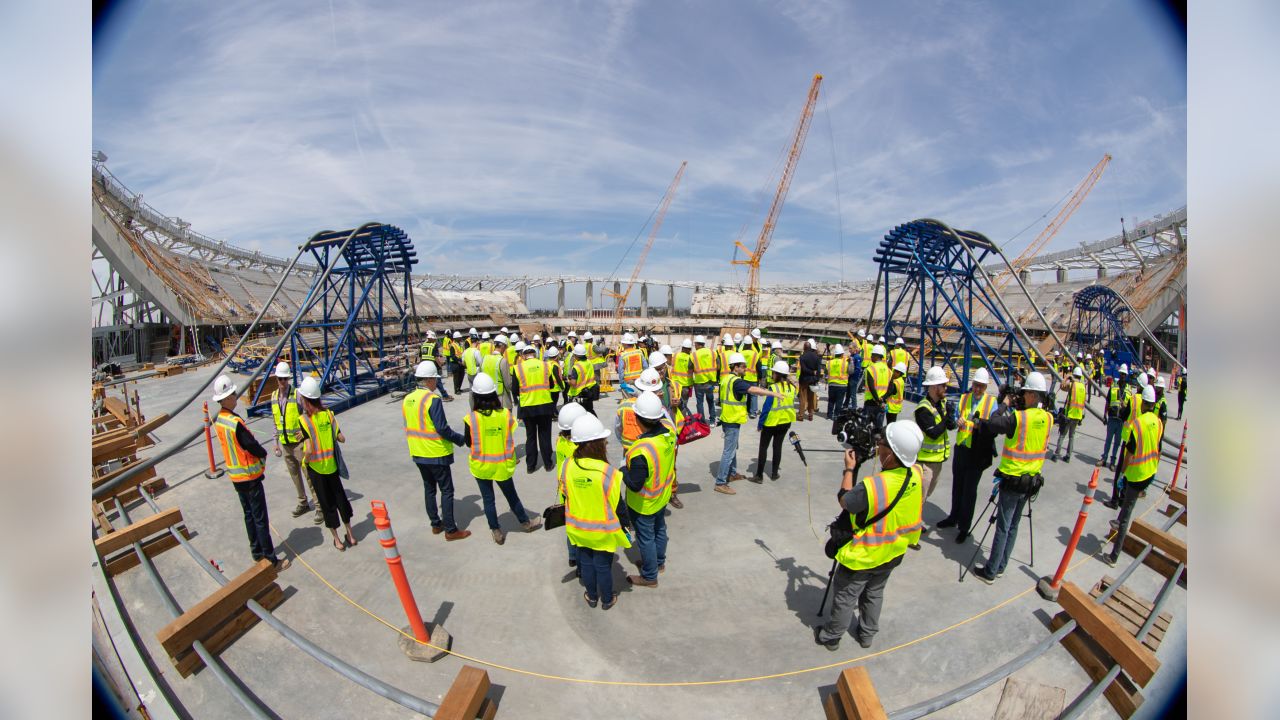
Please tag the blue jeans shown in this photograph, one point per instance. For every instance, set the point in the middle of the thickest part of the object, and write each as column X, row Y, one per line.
column 751, row 404
column 729, row 458
column 836, row 397
column 438, row 477
column 1111, row 448
column 573, row 552
column 596, row 568
column 508, row 492
column 253, row 500
column 1008, row 514
column 706, row 390
column 651, row 540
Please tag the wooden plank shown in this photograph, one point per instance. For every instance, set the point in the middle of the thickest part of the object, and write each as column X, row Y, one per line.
column 1139, row 662
column 1155, row 559
column 1140, row 604
column 1171, row 509
column 1131, row 620
column 227, row 633
column 126, row 536
column 129, row 491
column 858, row 695
column 143, row 475
column 117, row 408
column 465, row 695
column 152, row 424
column 127, row 559
column 1023, row 700
column 100, row 517
column 488, row 709
column 1179, row 495
column 831, row 706
column 115, row 452
column 199, row 621
column 1123, row 695
column 1175, row 548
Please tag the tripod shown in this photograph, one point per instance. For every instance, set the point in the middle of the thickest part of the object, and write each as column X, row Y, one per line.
column 991, row 523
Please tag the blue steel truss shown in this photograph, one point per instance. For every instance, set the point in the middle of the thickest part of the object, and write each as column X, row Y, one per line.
column 932, row 289
column 343, row 336
column 1097, row 320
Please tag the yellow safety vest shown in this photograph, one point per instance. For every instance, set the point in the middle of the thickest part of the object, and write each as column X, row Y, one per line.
column 723, row 356
column 492, row 366
column 564, row 453
column 964, row 432
column 897, row 390
column 1076, row 400
column 783, row 411
column 322, row 432
column 899, row 355
column 1023, row 453
column 732, row 411
column 704, row 365
column 1116, row 398
column 535, row 382
column 753, row 365
column 766, row 359
column 838, row 371
column 288, row 429
column 1145, row 459
column 493, row 444
column 555, row 376
column 878, row 378
column 486, row 348
column 592, row 489
column 866, row 354
column 900, row 528
column 1135, row 410
column 427, row 351
column 659, row 452
column 469, row 359
column 935, row 448
column 242, row 465
column 632, row 361
column 511, row 356
column 420, row 432
column 585, row 378
column 680, row 374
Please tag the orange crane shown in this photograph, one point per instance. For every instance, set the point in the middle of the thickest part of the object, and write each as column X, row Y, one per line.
column 771, row 220
column 621, row 298
column 1077, row 197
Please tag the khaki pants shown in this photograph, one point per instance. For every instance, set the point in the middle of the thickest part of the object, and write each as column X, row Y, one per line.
column 932, row 475
column 295, row 454
column 808, row 402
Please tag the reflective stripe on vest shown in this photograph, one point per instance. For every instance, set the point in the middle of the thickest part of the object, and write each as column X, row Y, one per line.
column 492, row 366
column 630, row 426
column 782, row 411
column 585, row 377
column 632, row 361
column 879, row 373
column 1024, row 452
column 935, row 448
column 1146, row 458
column 284, row 411
column 888, row 537
column 419, row 431
column 321, row 436
column 752, row 356
column 838, row 371
column 731, row 411
column 964, row 433
column 704, row 365
column 659, row 455
column 590, row 520
column 1076, row 400
column 242, row 465
column 535, row 382
column 680, row 374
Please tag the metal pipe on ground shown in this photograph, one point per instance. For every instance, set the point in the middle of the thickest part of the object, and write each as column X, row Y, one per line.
column 352, row 673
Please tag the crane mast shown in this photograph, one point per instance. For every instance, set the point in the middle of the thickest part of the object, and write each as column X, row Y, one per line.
column 621, row 298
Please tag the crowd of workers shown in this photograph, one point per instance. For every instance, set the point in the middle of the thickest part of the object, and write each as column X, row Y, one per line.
column 606, row 507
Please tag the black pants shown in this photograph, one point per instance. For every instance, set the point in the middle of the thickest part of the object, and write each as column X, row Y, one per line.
column 253, row 500
column 1129, row 495
column 966, row 475
column 771, row 435
column 458, row 372
column 438, row 477
column 585, row 400
column 334, row 505
column 537, row 434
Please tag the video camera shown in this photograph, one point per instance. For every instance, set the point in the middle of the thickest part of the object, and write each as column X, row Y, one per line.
column 858, row 429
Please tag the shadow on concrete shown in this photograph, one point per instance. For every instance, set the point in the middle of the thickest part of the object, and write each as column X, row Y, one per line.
column 1089, row 544
column 467, row 508
column 442, row 613
column 352, row 494
column 688, row 488
column 362, row 529
column 805, row 586
column 304, row 538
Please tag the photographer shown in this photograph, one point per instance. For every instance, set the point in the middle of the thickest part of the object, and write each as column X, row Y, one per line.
column 1026, row 432
column 885, row 514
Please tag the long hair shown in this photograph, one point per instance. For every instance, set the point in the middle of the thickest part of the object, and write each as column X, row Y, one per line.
column 486, row 403
column 780, row 378
column 309, row 406
column 594, row 449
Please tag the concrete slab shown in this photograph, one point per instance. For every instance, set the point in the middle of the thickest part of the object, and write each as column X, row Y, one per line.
column 744, row 578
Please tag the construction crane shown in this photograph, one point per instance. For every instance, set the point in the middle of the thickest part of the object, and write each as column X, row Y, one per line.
column 1077, row 197
column 621, row 298
column 771, row 220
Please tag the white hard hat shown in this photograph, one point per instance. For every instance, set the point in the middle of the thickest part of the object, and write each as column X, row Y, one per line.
column 1148, row 394
column 782, row 367
column 1088, row 356
column 904, row 438
column 1160, row 382
column 586, row 335
column 686, row 344
column 628, row 339
column 500, row 339
column 538, row 338
column 902, row 368
column 580, row 350
column 570, row 412
column 426, row 369
column 472, row 331
column 552, row 352
column 573, row 333
column 777, row 345
column 457, row 335
column 982, row 376
column 935, row 376
column 727, row 342
column 503, row 329
column 882, row 340
column 1151, row 370
column 755, row 333
column 519, row 346
column 813, row 343
column 862, row 333
column 1078, row 353
column 737, row 337
column 737, row 359
column 223, row 388
column 1124, row 368
column 1078, row 372
column 700, row 339
column 657, row 359
column 1142, row 380
column 1035, row 381
column 431, row 334
column 482, row 384
column 484, row 335
column 282, row 370
column 530, row 348
column 588, row 428
column 310, row 387
column 649, row 380
column 878, row 350
column 898, row 342
column 513, row 337
column 666, row 350
column 649, row 406
column 838, row 349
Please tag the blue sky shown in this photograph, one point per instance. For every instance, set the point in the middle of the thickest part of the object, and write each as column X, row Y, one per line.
column 537, row 137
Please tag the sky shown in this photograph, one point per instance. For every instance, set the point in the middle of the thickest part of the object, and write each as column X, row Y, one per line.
column 539, row 137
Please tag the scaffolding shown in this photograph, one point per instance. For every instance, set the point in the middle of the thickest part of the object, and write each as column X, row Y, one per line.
column 1097, row 321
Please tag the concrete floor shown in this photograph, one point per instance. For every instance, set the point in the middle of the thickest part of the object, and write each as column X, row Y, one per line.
column 744, row 578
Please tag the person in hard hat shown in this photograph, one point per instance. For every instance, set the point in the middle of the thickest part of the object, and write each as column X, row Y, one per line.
column 775, row 419
column 1140, row 461
column 1182, row 393
column 631, row 362
column 864, row 361
column 722, row 357
column 245, row 459
column 974, row 450
column 935, row 417
column 582, row 379
column 533, row 385
column 456, row 367
column 595, row 509
column 681, row 375
column 431, row 442
column 1115, row 411
column 433, row 350
column 733, row 413
column 811, row 371
column 321, row 428
column 486, row 345
column 472, row 357
column 886, row 512
column 837, row 380
column 1026, row 432
column 1128, row 418
column 564, row 452
column 626, row 424
column 1074, row 415
column 1162, row 407
column 559, row 388
column 284, row 411
column 876, row 376
column 489, row 430
column 899, row 354
column 649, row 474
column 495, row 365
column 750, row 351
column 704, row 379
column 897, row 392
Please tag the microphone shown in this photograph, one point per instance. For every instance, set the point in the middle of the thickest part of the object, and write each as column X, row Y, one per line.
column 795, row 443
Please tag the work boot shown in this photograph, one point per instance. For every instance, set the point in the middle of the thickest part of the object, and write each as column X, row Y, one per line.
column 303, row 507
column 319, row 518
column 676, row 503
column 457, row 535
column 499, row 536
column 773, row 475
column 281, row 563
column 946, row 523
column 726, row 489
column 436, row 529
column 734, row 477
column 639, row 581
column 984, row 575
column 831, row 645
column 531, row 524
column 757, row 479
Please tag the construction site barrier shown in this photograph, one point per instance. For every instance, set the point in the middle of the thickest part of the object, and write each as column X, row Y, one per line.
column 422, row 649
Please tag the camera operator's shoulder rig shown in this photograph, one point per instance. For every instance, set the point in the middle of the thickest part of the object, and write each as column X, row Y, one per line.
column 857, row 429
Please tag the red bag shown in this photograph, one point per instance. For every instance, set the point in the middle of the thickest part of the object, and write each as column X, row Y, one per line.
column 695, row 428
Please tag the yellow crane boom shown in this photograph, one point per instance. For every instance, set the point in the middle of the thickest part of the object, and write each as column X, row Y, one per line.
column 621, row 298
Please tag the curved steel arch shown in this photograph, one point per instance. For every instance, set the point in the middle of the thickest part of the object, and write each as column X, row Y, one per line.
column 1097, row 320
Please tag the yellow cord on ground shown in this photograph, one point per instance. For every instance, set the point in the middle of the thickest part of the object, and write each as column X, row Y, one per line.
column 683, row 683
